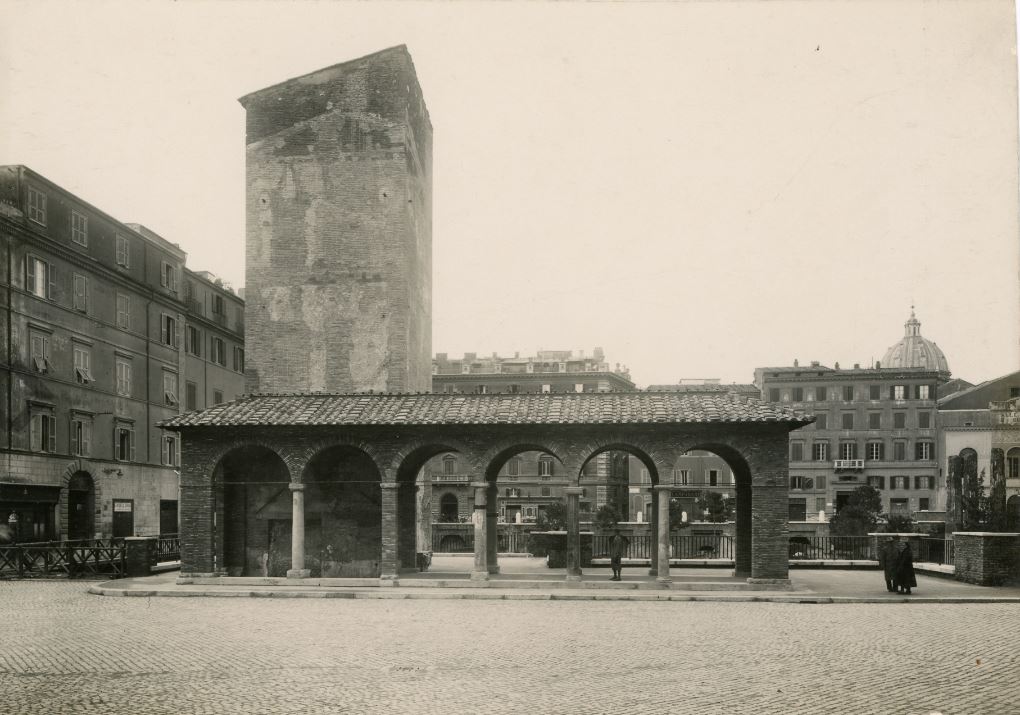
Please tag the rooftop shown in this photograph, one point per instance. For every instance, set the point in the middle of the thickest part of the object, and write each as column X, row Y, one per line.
column 322, row 409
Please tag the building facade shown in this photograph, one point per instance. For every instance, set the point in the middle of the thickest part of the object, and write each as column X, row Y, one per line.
column 95, row 317
column 338, row 277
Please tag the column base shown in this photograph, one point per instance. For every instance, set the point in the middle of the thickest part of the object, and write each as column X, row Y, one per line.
column 574, row 577
column 298, row 573
column 664, row 580
column 741, row 573
column 389, row 580
column 494, row 569
column 479, row 575
column 782, row 583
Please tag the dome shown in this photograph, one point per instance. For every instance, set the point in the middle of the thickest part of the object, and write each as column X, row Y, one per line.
column 915, row 351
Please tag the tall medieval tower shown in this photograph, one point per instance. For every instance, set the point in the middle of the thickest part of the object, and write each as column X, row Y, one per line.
column 338, row 277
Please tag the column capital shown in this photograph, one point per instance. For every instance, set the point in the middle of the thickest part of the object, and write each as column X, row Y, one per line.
column 389, row 485
column 573, row 491
column 296, row 486
column 479, row 485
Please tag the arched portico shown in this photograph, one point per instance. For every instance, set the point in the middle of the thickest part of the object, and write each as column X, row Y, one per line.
column 386, row 439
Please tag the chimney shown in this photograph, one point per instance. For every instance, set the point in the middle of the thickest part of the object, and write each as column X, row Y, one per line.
column 857, row 366
column 878, row 364
column 796, row 363
column 815, row 363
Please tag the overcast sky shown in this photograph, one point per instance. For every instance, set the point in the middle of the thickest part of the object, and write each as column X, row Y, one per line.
column 700, row 189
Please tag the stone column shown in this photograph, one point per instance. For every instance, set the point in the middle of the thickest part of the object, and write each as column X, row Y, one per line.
column 742, row 555
column 770, row 551
column 662, row 532
column 389, row 558
column 297, row 533
column 653, row 531
column 491, row 526
column 480, row 571
column 573, row 533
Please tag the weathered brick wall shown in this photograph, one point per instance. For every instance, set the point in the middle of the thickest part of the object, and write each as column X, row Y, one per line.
column 986, row 559
column 339, row 243
column 757, row 455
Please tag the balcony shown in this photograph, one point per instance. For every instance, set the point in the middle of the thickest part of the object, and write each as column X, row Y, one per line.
column 856, row 464
column 451, row 478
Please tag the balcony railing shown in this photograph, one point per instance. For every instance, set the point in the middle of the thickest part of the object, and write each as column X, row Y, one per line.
column 848, row 464
column 451, row 478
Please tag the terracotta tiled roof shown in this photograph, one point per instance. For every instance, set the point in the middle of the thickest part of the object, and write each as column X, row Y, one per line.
column 530, row 408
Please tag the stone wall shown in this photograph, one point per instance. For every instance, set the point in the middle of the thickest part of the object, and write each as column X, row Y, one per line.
column 986, row 558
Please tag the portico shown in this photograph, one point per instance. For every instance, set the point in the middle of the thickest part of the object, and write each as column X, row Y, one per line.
column 348, row 463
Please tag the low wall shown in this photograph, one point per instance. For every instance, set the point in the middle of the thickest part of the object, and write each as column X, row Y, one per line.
column 987, row 558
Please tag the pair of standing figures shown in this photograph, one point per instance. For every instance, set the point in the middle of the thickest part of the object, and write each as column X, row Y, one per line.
column 897, row 561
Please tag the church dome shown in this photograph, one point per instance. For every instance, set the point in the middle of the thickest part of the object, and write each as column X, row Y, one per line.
column 915, row 351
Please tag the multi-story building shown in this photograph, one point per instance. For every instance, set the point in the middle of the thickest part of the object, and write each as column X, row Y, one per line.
column 530, row 481
column 96, row 315
column 874, row 426
column 981, row 426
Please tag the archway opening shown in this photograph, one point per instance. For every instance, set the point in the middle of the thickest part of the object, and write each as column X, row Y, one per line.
column 81, row 507
column 253, row 500
column 449, row 509
column 1013, row 513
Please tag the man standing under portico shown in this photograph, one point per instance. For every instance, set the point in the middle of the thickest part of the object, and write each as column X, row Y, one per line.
column 617, row 548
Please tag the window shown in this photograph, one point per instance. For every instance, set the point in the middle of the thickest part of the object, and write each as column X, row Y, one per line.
column 819, row 503
column 465, row 369
column 922, row 392
column 820, row 394
column 513, row 467
column 168, row 276
column 449, row 464
column 81, row 435
column 43, row 430
column 193, row 340
column 545, row 467
column 1014, row 392
column 875, row 392
column 546, row 491
column 238, row 359
column 563, row 367
column 1013, row 463
column 713, row 477
column 81, row 293
column 513, row 389
column 168, row 330
column 820, row 451
column 482, row 390
column 798, row 509
column 899, row 451
column 82, row 364
column 681, row 476
column 848, row 420
column 924, row 504
column 876, row 451
column 217, row 397
column 822, row 421
column 874, row 420
column 802, row 483
column 796, row 451
column 899, row 482
column 513, row 492
column 217, row 305
column 123, row 252
column 899, row 420
column 123, row 311
column 898, row 392
column 169, row 450
column 170, row 389
column 773, row 394
column 546, row 388
column 190, row 396
column 876, row 482
column 848, row 393
column 40, row 278
column 37, row 206
column 123, row 377
column 39, row 347
column 578, row 387
column 924, row 420
column 124, row 442
column 924, row 482
column 923, row 451
column 848, row 450
column 798, row 394
column 79, row 228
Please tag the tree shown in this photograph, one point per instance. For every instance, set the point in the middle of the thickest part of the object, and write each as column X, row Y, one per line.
column 860, row 515
column 973, row 504
column 553, row 517
column 607, row 517
column 717, row 508
column 899, row 524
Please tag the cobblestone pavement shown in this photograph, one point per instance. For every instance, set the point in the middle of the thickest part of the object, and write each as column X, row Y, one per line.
column 64, row 651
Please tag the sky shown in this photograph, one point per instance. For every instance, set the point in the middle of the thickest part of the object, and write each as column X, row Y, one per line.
column 698, row 188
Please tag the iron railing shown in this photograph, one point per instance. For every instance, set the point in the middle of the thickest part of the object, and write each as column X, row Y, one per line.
column 681, row 546
column 85, row 558
column 453, row 543
column 168, row 548
column 831, row 548
column 935, row 551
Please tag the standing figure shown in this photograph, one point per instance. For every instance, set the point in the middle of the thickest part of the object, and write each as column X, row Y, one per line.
column 617, row 548
column 887, row 561
column 905, row 579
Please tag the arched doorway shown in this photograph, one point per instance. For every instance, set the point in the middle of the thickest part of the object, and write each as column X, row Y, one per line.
column 253, row 502
column 81, row 506
column 1013, row 513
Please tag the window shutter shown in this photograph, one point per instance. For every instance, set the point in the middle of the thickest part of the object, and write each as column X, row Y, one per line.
column 51, row 286
column 74, row 437
column 131, row 442
column 30, row 274
column 162, row 274
column 892, row 392
column 34, row 434
column 86, row 438
column 53, row 434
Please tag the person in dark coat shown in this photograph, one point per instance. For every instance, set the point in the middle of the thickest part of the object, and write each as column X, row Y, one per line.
column 887, row 561
column 905, row 579
column 617, row 548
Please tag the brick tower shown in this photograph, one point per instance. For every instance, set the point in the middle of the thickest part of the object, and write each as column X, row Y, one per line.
column 338, row 278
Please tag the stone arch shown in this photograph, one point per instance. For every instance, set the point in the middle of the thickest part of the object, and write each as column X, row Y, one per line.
column 1013, row 513
column 492, row 460
column 217, row 458
column 312, row 449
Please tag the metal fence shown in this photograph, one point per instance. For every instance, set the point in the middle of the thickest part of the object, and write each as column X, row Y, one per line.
column 83, row 558
column 168, row 548
column 831, row 548
column 935, row 551
column 681, row 546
